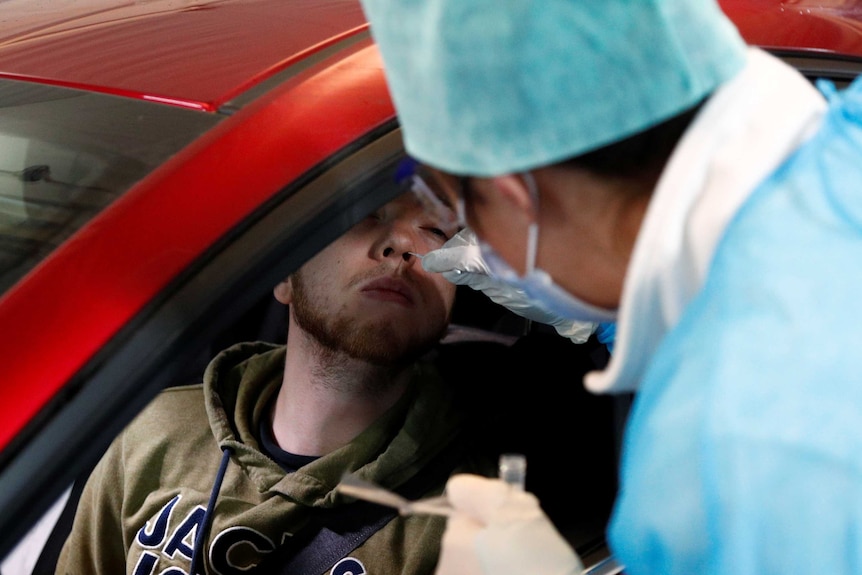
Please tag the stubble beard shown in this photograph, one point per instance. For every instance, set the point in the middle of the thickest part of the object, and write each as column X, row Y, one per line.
column 374, row 342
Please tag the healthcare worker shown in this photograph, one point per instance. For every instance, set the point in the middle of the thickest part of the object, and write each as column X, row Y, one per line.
column 635, row 160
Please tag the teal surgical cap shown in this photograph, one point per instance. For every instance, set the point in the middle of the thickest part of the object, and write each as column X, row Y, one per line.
column 487, row 87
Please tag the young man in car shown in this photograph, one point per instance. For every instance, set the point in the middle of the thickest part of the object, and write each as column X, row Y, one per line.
column 247, row 463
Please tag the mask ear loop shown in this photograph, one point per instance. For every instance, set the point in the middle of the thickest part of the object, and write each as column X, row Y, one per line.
column 533, row 230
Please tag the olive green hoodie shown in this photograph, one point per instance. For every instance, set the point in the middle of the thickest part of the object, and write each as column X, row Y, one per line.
column 147, row 498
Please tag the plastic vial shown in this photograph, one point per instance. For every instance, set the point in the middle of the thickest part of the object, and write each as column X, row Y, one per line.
column 513, row 469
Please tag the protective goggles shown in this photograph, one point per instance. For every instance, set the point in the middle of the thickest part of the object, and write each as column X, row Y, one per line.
column 437, row 203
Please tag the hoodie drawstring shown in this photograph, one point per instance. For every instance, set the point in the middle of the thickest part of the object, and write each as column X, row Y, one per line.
column 205, row 525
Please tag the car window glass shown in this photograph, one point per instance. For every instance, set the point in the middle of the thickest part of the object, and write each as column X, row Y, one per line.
column 65, row 155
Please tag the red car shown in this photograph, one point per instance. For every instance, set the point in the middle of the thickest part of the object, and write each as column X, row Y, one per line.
column 165, row 163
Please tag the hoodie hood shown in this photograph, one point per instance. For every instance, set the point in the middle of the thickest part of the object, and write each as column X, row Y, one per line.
column 239, row 384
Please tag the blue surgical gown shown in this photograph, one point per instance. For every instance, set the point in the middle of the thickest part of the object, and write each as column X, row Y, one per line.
column 743, row 452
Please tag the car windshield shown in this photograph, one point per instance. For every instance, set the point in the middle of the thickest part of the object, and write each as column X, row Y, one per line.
column 66, row 154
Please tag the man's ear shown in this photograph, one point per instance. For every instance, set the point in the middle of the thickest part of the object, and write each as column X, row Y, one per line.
column 513, row 189
column 283, row 292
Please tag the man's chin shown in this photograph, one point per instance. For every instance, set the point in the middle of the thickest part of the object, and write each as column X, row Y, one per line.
column 386, row 347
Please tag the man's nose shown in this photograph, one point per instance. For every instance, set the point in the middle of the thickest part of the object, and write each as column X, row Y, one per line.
column 405, row 254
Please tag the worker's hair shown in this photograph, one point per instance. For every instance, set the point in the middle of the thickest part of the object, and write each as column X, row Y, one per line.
column 643, row 154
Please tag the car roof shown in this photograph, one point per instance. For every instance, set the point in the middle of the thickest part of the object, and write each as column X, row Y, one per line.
column 156, row 46
column 213, row 30
column 825, row 27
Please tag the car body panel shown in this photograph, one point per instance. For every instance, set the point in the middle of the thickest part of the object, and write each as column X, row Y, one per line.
column 830, row 27
column 215, row 183
column 95, row 329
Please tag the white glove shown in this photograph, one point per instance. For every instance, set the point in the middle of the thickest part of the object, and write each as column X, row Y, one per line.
column 499, row 529
column 460, row 262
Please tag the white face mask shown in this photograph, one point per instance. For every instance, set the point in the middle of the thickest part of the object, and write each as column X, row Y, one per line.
column 537, row 283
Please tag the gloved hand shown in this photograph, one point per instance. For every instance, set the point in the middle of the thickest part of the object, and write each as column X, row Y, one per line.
column 460, row 262
column 499, row 529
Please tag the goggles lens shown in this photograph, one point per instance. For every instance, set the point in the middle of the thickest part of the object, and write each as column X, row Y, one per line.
column 433, row 200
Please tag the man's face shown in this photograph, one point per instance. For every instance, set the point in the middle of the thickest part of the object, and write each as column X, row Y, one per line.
column 366, row 295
